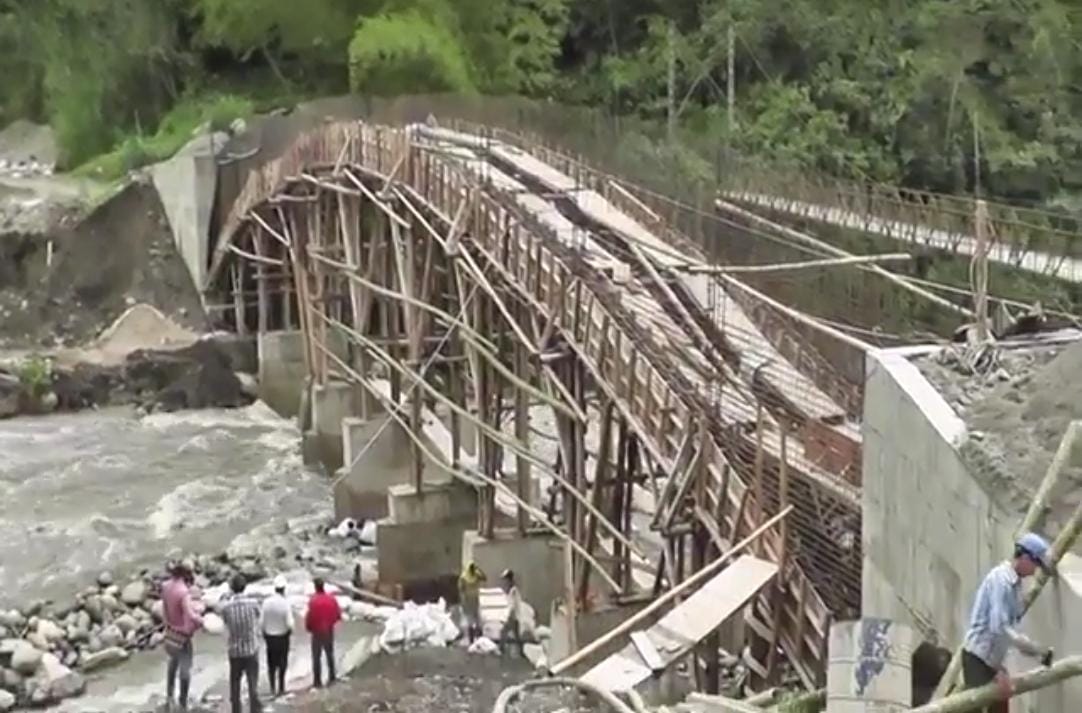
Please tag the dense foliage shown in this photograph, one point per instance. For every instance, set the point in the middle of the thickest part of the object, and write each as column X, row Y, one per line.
column 895, row 90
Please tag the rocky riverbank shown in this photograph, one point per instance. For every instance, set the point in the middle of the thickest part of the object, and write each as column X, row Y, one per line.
column 199, row 375
column 48, row 648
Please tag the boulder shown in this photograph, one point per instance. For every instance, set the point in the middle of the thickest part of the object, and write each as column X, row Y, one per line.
column 50, row 631
column 105, row 579
column 39, row 641
column 25, row 658
column 111, row 636
column 10, row 680
column 126, row 623
column 134, row 593
column 7, row 700
column 197, row 376
column 252, row 570
column 157, row 611
column 106, row 657
column 12, row 619
column 94, row 608
column 57, row 680
column 109, row 602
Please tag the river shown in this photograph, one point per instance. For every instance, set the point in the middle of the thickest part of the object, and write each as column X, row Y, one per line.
column 112, row 490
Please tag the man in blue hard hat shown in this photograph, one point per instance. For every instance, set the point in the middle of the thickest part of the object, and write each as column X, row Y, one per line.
column 997, row 609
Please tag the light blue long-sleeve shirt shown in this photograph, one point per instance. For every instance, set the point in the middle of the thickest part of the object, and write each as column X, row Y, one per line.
column 997, row 608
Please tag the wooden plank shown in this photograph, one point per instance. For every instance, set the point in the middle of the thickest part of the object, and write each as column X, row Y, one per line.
column 688, row 623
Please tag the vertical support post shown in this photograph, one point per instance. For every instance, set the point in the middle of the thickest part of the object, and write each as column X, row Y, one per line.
column 980, row 276
column 760, row 505
column 259, row 241
column 239, row 312
column 783, row 554
column 569, row 599
column 522, row 435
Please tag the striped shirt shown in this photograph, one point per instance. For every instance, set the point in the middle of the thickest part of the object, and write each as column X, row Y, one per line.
column 241, row 617
column 997, row 608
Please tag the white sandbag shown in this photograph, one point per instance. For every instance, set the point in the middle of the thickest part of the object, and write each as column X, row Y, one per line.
column 484, row 646
column 213, row 624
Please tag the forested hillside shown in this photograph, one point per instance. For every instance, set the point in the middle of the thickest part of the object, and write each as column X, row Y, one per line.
column 894, row 90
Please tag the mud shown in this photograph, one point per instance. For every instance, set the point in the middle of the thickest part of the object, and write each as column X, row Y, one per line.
column 1017, row 415
column 427, row 680
column 119, row 255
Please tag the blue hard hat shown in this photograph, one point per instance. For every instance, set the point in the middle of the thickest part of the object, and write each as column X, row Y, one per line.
column 1037, row 547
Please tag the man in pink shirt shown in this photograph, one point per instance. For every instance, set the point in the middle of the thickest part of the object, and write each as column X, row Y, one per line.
column 181, row 623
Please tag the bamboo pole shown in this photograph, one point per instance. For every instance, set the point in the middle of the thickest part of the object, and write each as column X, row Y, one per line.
column 676, row 591
column 977, row 698
column 1033, row 517
column 699, row 269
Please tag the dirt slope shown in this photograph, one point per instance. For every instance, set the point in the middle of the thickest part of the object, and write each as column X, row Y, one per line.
column 119, row 255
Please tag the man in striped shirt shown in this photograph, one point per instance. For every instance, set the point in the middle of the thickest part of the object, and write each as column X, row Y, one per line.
column 241, row 617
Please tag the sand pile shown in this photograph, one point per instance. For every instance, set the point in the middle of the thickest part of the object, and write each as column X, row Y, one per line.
column 1016, row 429
column 140, row 327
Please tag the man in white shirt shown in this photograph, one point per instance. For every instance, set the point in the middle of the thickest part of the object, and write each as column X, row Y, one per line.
column 512, row 632
column 277, row 622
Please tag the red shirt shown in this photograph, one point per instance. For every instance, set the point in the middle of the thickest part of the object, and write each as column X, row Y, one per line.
column 323, row 614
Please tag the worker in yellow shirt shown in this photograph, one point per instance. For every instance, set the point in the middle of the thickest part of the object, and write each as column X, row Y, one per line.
column 469, row 596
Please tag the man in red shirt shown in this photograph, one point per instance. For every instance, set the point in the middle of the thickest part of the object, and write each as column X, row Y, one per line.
column 323, row 615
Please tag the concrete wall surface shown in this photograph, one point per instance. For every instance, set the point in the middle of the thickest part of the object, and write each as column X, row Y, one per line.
column 589, row 626
column 931, row 531
column 537, row 561
column 426, row 545
column 186, row 184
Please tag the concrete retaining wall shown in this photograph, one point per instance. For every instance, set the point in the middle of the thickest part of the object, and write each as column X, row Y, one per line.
column 537, row 561
column 931, row 532
column 186, row 184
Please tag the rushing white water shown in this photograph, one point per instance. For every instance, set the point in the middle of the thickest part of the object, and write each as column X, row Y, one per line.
column 110, row 490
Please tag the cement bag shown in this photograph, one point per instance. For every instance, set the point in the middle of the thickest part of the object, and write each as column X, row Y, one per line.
column 484, row 646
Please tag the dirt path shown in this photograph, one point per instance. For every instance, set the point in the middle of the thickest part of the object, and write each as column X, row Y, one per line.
column 428, row 680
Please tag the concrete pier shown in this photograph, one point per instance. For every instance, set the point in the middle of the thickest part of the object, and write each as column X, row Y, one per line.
column 332, row 403
column 281, row 371
column 420, row 541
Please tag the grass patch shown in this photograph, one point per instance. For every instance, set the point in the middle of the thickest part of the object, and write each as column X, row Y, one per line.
column 177, row 128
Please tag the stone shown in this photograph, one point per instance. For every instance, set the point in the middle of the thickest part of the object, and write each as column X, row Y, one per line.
column 134, row 593
column 7, row 700
column 94, row 608
column 50, row 631
column 252, row 570
column 106, row 657
column 39, row 641
column 12, row 619
column 57, row 680
column 157, row 611
column 93, row 645
column 109, row 602
column 10, row 680
column 248, row 384
column 25, row 658
column 105, row 579
column 111, row 636
column 126, row 623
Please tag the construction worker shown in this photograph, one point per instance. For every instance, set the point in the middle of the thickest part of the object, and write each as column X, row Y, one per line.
column 469, row 595
column 997, row 609
column 512, row 631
